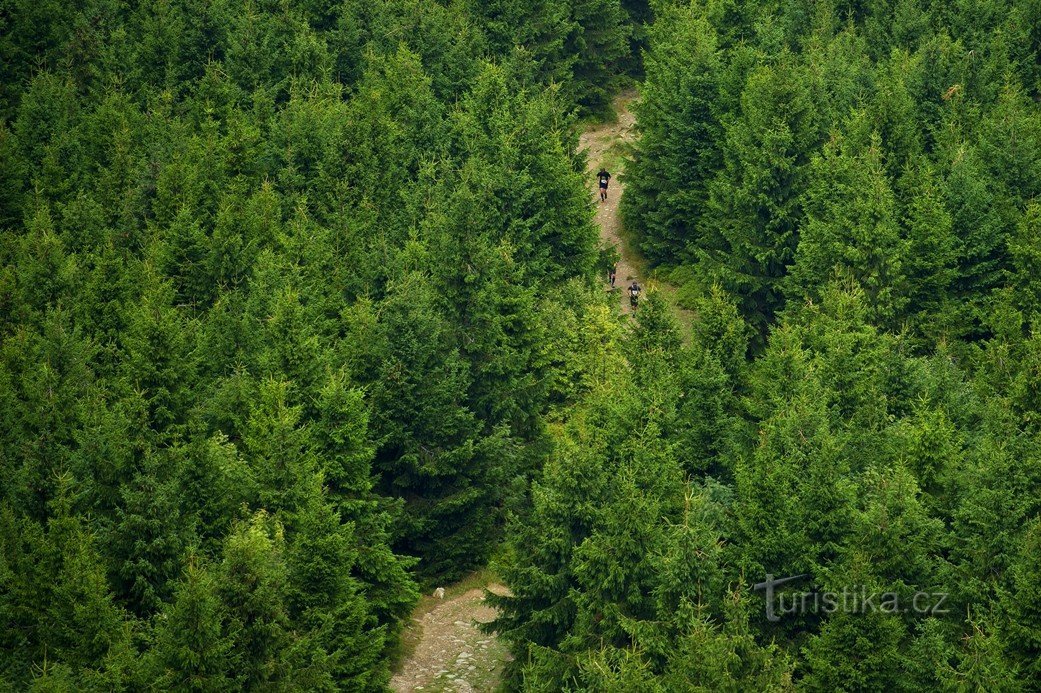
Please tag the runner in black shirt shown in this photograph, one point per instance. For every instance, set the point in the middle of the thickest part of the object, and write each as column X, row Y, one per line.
column 604, row 178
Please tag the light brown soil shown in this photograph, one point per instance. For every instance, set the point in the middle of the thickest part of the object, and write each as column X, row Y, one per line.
column 606, row 145
column 451, row 653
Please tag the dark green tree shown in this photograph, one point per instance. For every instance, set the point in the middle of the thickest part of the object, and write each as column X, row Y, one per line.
column 755, row 208
column 852, row 229
column 193, row 649
column 680, row 137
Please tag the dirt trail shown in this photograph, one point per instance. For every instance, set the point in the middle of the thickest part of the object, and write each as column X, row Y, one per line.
column 451, row 653
column 607, row 145
column 610, row 145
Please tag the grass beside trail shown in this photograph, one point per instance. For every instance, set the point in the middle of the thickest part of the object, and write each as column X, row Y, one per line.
column 616, row 155
column 655, row 279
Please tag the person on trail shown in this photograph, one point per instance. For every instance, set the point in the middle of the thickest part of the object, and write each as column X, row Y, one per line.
column 604, row 177
column 611, row 274
column 634, row 294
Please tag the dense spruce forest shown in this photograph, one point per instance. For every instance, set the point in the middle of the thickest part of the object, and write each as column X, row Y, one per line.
column 847, row 194
column 302, row 314
column 275, row 347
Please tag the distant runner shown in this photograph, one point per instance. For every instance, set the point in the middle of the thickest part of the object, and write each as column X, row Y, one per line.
column 611, row 274
column 604, row 178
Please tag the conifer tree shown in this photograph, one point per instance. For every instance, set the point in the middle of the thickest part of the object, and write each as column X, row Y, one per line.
column 157, row 361
column 430, row 449
column 193, row 647
column 1024, row 249
column 56, row 593
column 342, row 433
column 326, row 599
column 149, row 535
column 541, row 611
column 599, row 41
column 538, row 29
column 681, row 137
column 1022, row 634
column 851, row 228
column 755, row 208
column 49, row 387
column 711, row 376
column 251, row 584
column 981, row 217
column 856, row 651
column 931, row 256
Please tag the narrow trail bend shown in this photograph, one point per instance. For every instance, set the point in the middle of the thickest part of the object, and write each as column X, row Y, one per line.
column 607, row 145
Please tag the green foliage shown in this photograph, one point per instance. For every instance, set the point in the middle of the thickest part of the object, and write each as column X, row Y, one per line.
column 851, row 230
column 910, row 193
column 679, row 147
column 583, row 45
column 298, row 308
column 56, row 597
column 431, row 450
column 276, row 337
column 836, row 454
column 755, row 208
column 1024, row 617
column 192, row 649
column 847, row 197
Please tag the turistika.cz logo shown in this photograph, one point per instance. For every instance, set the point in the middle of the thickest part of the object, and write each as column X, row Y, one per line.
column 852, row 599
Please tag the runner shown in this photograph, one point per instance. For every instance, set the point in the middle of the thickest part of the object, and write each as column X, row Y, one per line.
column 604, row 178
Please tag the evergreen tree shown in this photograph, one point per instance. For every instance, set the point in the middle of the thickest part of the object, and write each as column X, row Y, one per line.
column 325, row 598
column 600, row 43
column 681, row 137
column 56, row 594
column 149, row 536
column 1023, row 248
column 931, row 260
column 1022, row 634
column 251, row 585
column 755, row 208
column 193, row 648
column 981, row 219
column 431, row 451
column 343, row 435
column 851, row 228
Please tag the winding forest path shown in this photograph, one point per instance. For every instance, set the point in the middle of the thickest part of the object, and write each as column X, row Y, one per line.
column 609, row 145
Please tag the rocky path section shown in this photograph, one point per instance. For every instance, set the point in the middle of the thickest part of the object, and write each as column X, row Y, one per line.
column 451, row 653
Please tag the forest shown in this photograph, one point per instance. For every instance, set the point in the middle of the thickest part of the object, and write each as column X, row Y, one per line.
column 302, row 315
